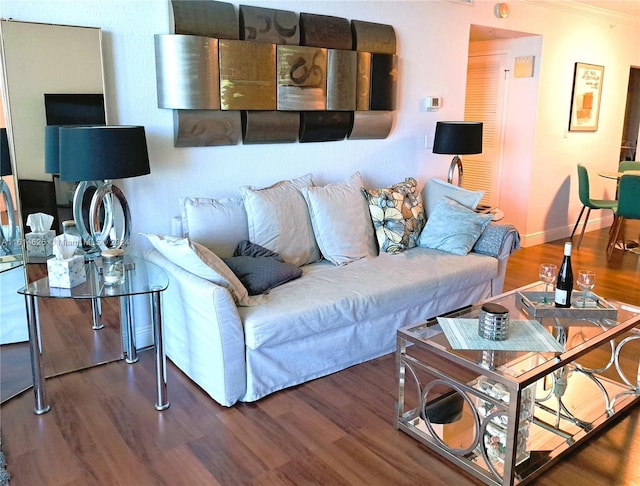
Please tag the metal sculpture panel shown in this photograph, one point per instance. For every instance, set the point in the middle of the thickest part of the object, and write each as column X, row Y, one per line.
column 302, row 78
column 247, row 75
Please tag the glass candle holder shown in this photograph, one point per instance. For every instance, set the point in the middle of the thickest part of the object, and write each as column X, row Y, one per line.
column 113, row 267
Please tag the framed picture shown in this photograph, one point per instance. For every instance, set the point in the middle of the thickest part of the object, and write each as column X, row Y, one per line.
column 585, row 98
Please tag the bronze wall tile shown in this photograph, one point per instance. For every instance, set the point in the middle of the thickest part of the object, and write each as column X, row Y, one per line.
column 371, row 125
column 341, row 79
column 324, row 126
column 363, row 82
column 384, row 80
column 302, row 78
column 205, row 17
column 325, row 31
column 205, row 128
column 247, row 75
column 269, row 25
column 270, row 126
column 372, row 37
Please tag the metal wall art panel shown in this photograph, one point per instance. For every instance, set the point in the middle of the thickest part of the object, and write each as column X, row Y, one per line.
column 342, row 73
column 372, row 37
column 324, row 126
column 363, row 81
column 302, row 78
column 247, row 75
column 270, row 126
column 371, row 125
column 205, row 17
column 269, row 25
column 325, row 31
column 187, row 73
column 384, row 80
column 206, row 128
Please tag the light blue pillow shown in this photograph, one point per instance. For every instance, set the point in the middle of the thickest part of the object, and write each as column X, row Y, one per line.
column 452, row 227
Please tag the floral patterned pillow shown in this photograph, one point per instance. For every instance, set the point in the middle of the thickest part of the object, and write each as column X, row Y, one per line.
column 398, row 215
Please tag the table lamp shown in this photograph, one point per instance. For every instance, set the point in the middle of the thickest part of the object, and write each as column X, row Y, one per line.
column 457, row 138
column 7, row 236
column 102, row 153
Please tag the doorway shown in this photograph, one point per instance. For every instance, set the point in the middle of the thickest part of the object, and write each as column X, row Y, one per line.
column 631, row 129
column 506, row 103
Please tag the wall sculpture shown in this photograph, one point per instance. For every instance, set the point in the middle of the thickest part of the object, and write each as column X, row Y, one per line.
column 272, row 76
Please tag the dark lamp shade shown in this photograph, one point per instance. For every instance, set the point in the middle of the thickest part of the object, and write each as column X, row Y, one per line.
column 102, row 152
column 458, row 138
column 5, row 157
column 52, row 149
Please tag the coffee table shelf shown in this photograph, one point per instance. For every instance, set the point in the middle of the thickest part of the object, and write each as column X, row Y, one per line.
column 506, row 416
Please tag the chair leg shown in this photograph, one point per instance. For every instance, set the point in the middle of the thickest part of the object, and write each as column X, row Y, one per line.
column 584, row 226
column 578, row 221
column 613, row 236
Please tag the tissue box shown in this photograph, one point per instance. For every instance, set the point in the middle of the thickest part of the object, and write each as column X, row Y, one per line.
column 40, row 244
column 66, row 273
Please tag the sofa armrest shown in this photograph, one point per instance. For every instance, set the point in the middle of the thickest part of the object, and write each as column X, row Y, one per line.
column 203, row 333
column 499, row 241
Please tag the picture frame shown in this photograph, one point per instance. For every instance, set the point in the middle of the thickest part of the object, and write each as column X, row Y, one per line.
column 586, row 97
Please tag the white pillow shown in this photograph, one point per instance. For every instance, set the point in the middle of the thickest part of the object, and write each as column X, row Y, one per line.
column 201, row 261
column 278, row 219
column 218, row 224
column 436, row 189
column 341, row 221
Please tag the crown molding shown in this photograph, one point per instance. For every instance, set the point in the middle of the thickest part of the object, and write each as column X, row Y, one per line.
column 587, row 10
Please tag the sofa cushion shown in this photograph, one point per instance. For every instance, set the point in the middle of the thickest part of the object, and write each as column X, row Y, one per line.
column 201, row 261
column 436, row 189
column 326, row 298
column 278, row 219
column 453, row 227
column 398, row 215
column 341, row 221
column 218, row 224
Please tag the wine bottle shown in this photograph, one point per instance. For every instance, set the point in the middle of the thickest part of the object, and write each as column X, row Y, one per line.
column 565, row 279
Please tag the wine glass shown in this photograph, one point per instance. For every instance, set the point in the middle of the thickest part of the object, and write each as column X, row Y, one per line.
column 548, row 273
column 586, row 281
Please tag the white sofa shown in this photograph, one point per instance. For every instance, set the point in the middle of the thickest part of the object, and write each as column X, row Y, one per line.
column 332, row 317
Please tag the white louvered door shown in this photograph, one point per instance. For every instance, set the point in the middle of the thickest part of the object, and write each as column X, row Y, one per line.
column 485, row 96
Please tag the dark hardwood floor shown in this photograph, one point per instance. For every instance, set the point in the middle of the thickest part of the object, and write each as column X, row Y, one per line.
column 336, row 430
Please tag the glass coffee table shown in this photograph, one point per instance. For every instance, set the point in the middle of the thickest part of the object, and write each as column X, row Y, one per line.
column 505, row 415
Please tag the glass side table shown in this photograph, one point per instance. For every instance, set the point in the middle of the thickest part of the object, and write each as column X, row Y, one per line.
column 141, row 278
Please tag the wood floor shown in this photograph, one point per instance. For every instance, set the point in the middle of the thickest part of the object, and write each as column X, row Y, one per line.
column 337, row 430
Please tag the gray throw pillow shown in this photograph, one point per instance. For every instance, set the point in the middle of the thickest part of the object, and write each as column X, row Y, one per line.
column 259, row 269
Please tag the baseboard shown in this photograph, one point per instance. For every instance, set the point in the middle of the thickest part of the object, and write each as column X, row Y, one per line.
column 545, row 236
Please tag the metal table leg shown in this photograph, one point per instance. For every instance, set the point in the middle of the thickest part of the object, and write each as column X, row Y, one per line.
column 126, row 328
column 35, row 346
column 97, row 314
column 161, row 359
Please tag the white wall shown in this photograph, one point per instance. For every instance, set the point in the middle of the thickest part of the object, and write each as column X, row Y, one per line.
column 432, row 48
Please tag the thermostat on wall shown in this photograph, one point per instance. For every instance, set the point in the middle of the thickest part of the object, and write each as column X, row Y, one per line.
column 432, row 103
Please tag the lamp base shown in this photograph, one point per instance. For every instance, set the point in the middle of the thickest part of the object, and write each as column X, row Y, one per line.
column 103, row 236
column 456, row 162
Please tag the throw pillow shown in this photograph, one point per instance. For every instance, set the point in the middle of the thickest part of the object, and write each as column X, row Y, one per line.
column 453, row 227
column 398, row 215
column 200, row 261
column 217, row 224
column 436, row 189
column 278, row 219
column 260, row 269
column 340, row 220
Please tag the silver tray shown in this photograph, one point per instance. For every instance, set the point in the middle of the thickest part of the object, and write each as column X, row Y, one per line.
column 599, row 308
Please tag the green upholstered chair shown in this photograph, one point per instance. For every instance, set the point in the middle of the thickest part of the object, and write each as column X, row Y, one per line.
column 628, row 207
column 587, row 202
column 626, row 165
